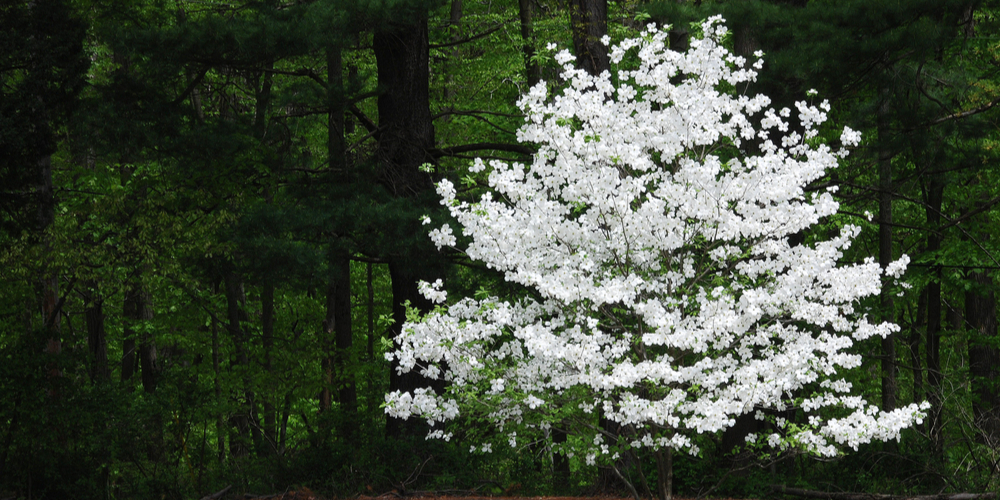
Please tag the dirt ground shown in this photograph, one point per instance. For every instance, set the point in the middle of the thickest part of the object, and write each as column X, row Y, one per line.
column 306, row 494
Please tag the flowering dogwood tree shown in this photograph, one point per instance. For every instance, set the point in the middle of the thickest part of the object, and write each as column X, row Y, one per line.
column 665, row 293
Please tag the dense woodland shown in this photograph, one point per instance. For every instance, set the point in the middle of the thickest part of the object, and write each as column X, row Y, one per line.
column 210, row 234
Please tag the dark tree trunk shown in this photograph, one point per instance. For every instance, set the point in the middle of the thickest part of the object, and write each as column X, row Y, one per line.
column 347, row 393
column 590, row 24
column 404, row 288
column 267, row 345
column 560, row 464
column 934, row 313
column 531, row 69
column 138, row 309
column 371, row 311
column 607, row 480
column 919, row 323
column 328, row 345
column 665, row 473
column 239, row 445
column 97, row 341
column 220, row 426
column 336, row 109
column 406, row 130
column 406, row 136
column 455, row 26
column 889, row 388
column 984, row 357
column 48, row 279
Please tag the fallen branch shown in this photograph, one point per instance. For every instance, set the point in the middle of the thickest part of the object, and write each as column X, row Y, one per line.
column 824, row 495
column 217, row 494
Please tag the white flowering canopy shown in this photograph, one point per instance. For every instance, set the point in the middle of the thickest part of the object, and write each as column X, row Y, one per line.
column 666, row 293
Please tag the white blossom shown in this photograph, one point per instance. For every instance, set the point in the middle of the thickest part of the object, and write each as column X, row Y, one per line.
column 668, row 295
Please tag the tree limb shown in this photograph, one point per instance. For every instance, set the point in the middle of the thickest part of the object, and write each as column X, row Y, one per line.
column 366, row 122
column 191, row 86
column 466, row 39
column 482, row 146
column 964, row 114
column 217, row 494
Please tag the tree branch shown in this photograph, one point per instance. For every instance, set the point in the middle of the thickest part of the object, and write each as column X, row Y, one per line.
column 190, row 88
column 482, row 146
column 964, row 114
column 366, row 122
column 467, row 39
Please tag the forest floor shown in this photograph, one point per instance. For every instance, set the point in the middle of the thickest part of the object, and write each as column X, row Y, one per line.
column 306, row 494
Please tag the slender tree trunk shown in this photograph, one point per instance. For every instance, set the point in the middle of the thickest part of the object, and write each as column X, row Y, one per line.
column 267, row 344
column 560, row 464
column 915, row 330
column 97, row 342
column 531, row 69
column 589, row 20
column 48, row 279
column 347, row 393
column 889, row 387
column 933, row 341
column 371, row 311
column 336, row 107
column 239, row 445
column 665, row 473
column 984, row 357
column 220, row 426
column 455, row 26
column 137, row 311
column 328, row 345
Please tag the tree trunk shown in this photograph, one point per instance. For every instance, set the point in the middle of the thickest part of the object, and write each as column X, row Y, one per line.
column 220, row 426
column 984, row 357
column 889, row 389
column 343, row 328
column 665, row 473
column 371, row 311
column 914, row 347
column 406, row 136
column 138, row 311
column 267, row 345
column 590, row 24
column 336, row 108
column 932, row 346
column 97, row 342
column 455, row 27
column 406, row 129
column 531, row 69
column 48, row 280
column 328, row 345
column 560, row 464
column 239, row 445
column 404, row 289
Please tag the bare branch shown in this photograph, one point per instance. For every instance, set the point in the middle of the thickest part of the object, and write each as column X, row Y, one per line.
column 467, row 39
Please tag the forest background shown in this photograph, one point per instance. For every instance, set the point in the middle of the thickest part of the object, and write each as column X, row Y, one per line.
column 210, row 224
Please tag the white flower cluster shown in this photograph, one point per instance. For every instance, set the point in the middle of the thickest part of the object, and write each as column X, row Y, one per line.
column 671, row 298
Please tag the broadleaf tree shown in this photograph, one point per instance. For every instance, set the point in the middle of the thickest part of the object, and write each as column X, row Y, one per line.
column 657, row 234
